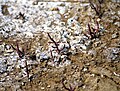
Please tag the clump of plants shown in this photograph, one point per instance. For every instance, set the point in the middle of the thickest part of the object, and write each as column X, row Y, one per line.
column 59, row 51
column 93, row 32
column 22, row 53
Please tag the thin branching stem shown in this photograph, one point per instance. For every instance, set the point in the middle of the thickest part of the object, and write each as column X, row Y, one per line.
column 97, row 8
column 56, row 44
column 93, row 31
column 19, row 52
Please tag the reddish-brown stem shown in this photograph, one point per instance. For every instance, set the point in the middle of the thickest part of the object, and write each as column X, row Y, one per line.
column 19, row 52
column 90, row 32
column 97, row 25
column 93, row 7
column 89, row 29
column 97, row 8
column 56, row 44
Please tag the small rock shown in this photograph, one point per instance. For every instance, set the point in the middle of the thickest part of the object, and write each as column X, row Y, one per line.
column 2, row 80
column 42, row 88
column 115, row 35
column 85, row 69
column 35, row 2
column 48, row 86
column 117, row 23
column 83, row 47
column 49, row 23
column 93, row 75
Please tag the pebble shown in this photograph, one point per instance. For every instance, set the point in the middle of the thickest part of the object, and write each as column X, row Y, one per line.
column 116, row 74
column 115, row 35
column 84, row 47
column 48, row 86
column 93, row 75
column 42, row 88
column 117, row 23
column 49, row 23
column 85, row 69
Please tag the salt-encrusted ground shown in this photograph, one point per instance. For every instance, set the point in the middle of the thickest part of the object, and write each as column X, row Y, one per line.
column 42, row 43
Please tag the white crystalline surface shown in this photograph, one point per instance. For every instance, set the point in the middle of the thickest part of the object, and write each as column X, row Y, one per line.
column 25, row 19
